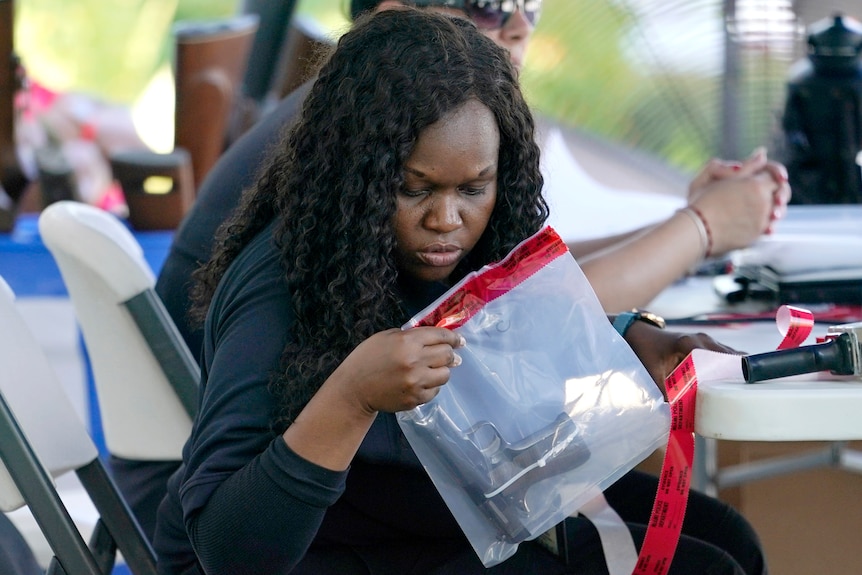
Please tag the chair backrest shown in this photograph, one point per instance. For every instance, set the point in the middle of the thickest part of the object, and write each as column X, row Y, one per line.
column 305, row 50
column 28, row 384
column 210, row 61
column 42, row 437
column 139, row 171
column 145, row 377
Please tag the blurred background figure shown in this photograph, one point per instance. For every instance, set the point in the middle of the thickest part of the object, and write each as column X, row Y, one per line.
column 822, row 123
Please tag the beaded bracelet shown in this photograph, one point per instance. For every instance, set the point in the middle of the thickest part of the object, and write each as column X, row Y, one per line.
column 702, row 228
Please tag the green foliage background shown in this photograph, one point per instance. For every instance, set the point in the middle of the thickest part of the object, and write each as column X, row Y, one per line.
column 110, row 48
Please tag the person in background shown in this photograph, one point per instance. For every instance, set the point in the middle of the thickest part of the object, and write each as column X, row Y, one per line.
column 413, row 164
column 16, row 557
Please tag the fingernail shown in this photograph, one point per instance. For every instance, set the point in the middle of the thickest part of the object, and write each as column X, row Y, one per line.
column 456, row 360
column 461, row 341
column 758, row 152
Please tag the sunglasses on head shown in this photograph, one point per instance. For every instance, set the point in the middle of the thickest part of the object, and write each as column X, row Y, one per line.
column 490, row 14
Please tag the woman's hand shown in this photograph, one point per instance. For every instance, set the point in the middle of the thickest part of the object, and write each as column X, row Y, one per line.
column 662, row 350
column 392, row 370
column 396, row 370
column 740, row 201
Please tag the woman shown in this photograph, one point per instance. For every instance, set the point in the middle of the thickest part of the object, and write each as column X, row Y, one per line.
column 413, row 164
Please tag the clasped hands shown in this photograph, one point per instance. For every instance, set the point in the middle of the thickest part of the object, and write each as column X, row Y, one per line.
column 740, row 201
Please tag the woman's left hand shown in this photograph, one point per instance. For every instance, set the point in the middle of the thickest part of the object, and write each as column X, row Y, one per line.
column 662, row 350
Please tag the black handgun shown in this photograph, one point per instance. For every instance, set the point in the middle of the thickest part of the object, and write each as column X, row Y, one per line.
column 496, row 474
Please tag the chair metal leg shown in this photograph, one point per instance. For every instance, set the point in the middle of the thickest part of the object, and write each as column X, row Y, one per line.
column 42, row 498
column 116, row 515
column 705, row 469
column 709, row 478
column 164, row 339
column 745, row 472
column 103, row 547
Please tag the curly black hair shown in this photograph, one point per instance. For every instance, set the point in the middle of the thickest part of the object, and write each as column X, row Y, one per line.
column 331, row 183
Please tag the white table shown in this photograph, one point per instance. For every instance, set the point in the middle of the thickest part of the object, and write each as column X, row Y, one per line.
column 812, row 407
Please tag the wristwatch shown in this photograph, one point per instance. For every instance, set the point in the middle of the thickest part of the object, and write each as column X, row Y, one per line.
column 624, row 320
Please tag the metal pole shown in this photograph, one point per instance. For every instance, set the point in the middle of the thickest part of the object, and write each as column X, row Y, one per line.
column 729, row 145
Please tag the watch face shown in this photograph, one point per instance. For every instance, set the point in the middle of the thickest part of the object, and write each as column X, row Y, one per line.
column 650, row 317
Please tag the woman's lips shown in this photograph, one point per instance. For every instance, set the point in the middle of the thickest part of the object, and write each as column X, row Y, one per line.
column 444, row 256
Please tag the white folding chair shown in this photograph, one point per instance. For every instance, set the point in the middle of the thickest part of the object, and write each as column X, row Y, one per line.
column 145, row 377
column 42, row 437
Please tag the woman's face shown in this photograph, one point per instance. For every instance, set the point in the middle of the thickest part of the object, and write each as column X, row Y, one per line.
column 514, row 35
column 450, row 188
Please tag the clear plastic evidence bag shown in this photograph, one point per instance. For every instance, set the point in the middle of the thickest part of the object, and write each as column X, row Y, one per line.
column 549, row 405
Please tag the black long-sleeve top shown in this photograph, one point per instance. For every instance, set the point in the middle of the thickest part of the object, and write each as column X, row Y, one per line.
column 243, row 502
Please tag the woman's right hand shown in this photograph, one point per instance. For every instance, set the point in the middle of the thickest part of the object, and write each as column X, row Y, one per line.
column 396, row 370
column 392, row 370
column 740, row 201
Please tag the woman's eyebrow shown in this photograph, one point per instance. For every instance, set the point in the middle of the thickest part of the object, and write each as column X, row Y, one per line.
column 422, row 174
column 414, row 171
